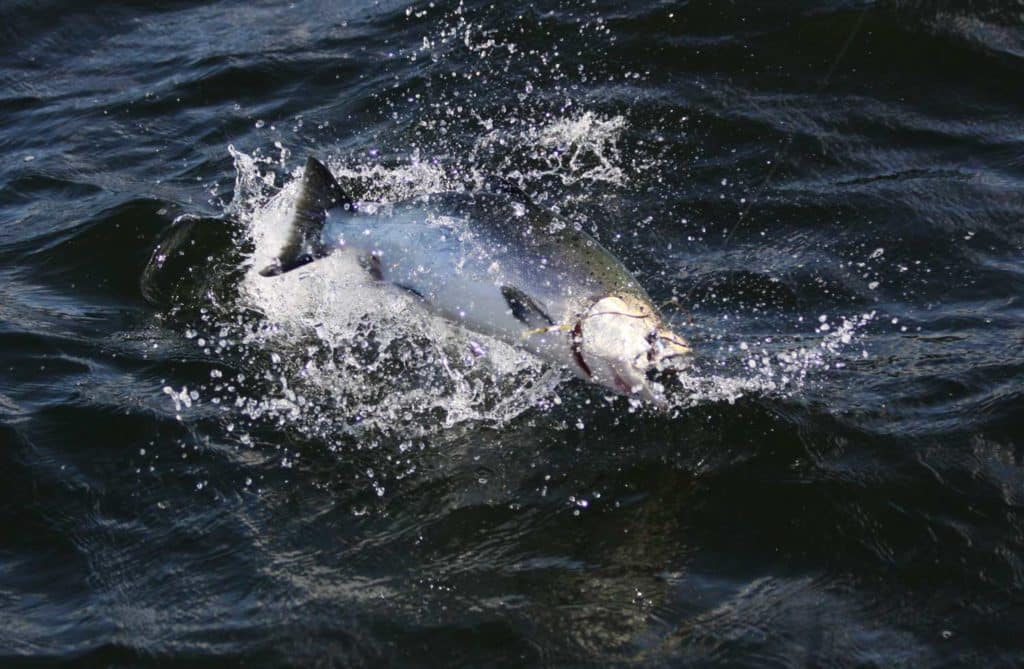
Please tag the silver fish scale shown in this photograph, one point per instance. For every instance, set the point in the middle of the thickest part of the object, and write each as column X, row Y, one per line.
column 457, row 250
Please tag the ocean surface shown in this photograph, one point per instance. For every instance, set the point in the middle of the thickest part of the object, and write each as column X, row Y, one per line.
column 202, row 467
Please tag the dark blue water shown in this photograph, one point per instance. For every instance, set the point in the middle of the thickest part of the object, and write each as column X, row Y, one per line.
column 199, row 469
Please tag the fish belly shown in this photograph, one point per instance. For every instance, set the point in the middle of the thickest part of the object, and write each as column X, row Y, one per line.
column 457, row 271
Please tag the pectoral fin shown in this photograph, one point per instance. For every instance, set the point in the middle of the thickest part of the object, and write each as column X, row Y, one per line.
column 320, row 192
column 525, row 309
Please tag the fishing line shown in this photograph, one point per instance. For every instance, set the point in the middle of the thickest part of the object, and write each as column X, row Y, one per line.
column 780, row 155
column 565, row 327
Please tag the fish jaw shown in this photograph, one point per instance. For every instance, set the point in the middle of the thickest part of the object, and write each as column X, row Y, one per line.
column 668, row 350
column 621, row 343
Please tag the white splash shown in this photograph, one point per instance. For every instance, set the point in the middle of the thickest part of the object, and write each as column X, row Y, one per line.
column 581, row 148
column 334, row 353
column 337, row 354
column 343, row 353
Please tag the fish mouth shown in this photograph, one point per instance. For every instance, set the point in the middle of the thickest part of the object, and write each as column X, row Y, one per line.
column 666, row 347
column 621, row 343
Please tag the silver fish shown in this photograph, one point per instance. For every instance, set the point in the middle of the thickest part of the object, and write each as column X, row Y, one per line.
column 496, row 263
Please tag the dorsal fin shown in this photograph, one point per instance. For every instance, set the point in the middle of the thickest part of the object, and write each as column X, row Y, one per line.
column 524, row 309
column 318, row 193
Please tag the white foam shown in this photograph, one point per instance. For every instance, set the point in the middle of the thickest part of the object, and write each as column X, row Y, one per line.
column 339, row 354
column 345, row 354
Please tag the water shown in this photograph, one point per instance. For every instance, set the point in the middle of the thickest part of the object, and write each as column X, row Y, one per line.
column 313, row 472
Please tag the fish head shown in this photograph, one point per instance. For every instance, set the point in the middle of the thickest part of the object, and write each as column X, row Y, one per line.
column 622, row 343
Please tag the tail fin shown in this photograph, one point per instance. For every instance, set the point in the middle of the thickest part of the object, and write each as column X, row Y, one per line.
column 319, row 192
